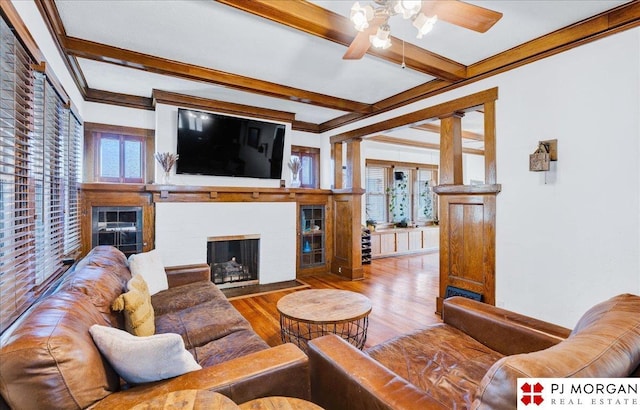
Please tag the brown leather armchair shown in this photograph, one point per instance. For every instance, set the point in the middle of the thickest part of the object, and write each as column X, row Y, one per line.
column 473, row 358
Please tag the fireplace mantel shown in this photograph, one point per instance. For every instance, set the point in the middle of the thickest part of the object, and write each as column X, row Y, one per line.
column 192, row 193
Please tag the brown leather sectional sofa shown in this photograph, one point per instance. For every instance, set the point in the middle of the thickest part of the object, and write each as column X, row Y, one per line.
column 474, row 358
column 48, row 359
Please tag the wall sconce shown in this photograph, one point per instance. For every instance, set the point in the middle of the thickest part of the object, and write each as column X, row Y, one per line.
column 541, row 159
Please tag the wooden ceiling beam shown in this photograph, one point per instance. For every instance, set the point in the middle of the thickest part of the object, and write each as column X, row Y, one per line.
column 313, row 19
column 417, row 144
column 436, row 129
column 132, row 59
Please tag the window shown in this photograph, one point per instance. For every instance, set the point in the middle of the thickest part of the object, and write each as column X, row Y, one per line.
column 400, row 192
column 118, row 154
column 39, row 176
column 376, row 197
column 310, row 160
column 120, row 158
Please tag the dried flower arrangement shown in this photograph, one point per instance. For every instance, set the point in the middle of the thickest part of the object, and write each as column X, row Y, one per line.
column 166, row 160
column 295, row 165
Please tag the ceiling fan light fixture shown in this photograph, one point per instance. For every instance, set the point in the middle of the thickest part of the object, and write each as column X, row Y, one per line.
column 424, row 24
column 361, row 16
column 408, row 8
column 381, row 39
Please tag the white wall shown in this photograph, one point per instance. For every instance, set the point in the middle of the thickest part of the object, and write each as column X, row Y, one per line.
column 116, row 115
column 573, row 241
column 182, row 230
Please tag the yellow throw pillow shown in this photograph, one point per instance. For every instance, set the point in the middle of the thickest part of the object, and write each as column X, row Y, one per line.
column 139, row 319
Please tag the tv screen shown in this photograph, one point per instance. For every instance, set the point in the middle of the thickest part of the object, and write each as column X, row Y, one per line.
column 214, row 144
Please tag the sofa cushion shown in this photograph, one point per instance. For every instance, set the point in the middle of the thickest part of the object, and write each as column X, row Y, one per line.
column 49, row 358
column 605, row 343
column 149, row 265
column 136, row 304
column 202, row 323
column 143, row 359
column 184, row 296
column 231, row 346
column 441, row 360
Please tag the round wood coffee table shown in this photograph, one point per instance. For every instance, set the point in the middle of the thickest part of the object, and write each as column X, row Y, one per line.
column 188, row 400
column 279, row 403
column 307, row 314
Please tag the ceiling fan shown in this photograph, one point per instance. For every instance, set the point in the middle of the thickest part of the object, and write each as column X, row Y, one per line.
column 372, row 22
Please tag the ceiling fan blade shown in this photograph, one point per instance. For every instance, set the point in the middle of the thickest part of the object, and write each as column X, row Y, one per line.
column 462, row 14
column 360, row 44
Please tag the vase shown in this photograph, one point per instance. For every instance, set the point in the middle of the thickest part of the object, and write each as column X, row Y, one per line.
column 295, row 180
column 166, row 177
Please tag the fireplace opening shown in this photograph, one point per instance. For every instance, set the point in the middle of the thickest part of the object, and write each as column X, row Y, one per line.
column 234, row 260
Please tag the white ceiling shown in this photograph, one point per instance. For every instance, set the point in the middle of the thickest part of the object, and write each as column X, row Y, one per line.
column 209, row 34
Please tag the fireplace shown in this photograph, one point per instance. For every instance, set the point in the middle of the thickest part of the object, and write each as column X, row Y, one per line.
column 234, row 260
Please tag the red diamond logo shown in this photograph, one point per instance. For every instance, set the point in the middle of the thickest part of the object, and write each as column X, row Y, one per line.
column 532, row 394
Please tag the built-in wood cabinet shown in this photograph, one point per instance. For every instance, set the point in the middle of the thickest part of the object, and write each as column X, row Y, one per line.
column 402, row 241
column 312, row 223
column 107, row 212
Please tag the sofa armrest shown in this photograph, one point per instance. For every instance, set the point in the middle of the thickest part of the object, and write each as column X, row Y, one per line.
column 278, row 371
column 504, row 331
column 343, row 377
column 181, row 275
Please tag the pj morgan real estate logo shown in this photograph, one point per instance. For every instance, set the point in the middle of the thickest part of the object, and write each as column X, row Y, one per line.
column 579, row 393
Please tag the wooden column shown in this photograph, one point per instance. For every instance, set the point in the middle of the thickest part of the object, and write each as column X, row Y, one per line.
column 336, row 154
column 347, row 211
column 467, row 213
column 451, row 149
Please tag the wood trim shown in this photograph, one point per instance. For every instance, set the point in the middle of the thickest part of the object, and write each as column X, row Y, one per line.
column 132, row 59
column 123, row 100
column 315, row 20
column 392, row 164
column 98, row 127
column 430, row 127
column 490, row 161
column 171, row 98
column 451, row 149
column 232, row 237
column 435, row 111
column 418, row 144
column 467, row 189
column 306, row 127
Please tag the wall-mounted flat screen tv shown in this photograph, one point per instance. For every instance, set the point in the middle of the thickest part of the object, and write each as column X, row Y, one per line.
column 215, row 144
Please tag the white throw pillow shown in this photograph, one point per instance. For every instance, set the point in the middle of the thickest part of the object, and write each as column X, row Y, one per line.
column 149, row 266
column 143, row 359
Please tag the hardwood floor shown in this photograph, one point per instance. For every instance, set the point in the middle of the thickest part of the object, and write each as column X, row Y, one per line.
column 402, row 290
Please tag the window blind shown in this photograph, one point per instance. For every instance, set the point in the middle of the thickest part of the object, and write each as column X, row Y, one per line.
column 39, row 175
column 17, row 248
column 376, row 198
column 72, row 181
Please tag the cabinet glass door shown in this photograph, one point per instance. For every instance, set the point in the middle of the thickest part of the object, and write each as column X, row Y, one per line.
column 117, row 226
column 312, row 226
